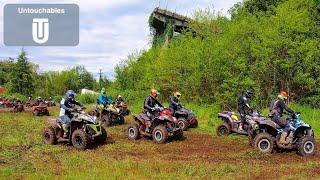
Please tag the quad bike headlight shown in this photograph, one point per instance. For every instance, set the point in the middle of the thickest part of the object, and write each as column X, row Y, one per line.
column 255, row 126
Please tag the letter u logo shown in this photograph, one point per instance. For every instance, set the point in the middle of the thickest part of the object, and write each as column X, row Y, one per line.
column 40, row 30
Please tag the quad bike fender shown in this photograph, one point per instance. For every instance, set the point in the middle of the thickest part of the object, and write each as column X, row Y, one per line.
column 96, row 128
column 304, row 128
column 269, row 123
column 266, row 127
column 140, row 118
column 225, row 117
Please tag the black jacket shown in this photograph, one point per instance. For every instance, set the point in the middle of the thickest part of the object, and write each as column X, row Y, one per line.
column 150, row 103
column 174, row 104
column 243, row 107
column 278, row 106
column 69, row 104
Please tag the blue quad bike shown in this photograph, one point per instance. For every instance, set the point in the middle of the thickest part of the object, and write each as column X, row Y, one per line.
column 264, row 135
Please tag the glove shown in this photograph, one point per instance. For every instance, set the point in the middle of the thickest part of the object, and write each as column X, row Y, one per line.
column 153, row 109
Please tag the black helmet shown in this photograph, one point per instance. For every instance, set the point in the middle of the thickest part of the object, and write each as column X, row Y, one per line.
column 248, row 94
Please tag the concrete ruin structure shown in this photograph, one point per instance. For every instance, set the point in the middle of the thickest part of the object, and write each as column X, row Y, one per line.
column 161, row 18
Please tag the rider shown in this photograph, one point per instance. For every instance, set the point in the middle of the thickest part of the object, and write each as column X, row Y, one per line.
column 104, row 100
column 276, row 110
column 66, row 108
column 119, row 99
column 174, row 104
column 150, row 104
column 244, row 107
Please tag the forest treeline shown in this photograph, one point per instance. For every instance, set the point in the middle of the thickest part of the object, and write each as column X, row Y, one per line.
column 22, row 78
column 265, row 46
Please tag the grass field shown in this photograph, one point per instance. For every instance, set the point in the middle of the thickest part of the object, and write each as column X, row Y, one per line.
column 201, row 155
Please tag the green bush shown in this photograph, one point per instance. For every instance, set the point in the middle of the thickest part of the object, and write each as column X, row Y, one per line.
column 87, row 98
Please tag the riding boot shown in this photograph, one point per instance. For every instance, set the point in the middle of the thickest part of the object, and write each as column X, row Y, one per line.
column 283, row 138
column 65, row 128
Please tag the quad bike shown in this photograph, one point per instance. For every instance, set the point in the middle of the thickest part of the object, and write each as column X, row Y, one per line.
column 108, row 115
column 18, row 107
column 266, row 136
column 50, row 103
column 84, row 129
column 40, row 109
column 123, row 108
column 231, row 123
column 186, row 118
column 163, row 126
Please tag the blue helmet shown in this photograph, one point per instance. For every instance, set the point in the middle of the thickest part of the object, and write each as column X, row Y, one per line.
column 70, row 94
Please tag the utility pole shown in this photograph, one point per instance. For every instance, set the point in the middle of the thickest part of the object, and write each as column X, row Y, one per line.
column 100, row 78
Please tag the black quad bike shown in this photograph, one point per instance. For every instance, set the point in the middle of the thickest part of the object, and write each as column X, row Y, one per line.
column 163, row 126
column 186, row 119
column 123, row 108
column 231, row 123
column 84, row 129
column 107, row 116
column 265, row 136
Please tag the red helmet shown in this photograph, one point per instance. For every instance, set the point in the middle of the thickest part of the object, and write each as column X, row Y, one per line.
column 284, row 94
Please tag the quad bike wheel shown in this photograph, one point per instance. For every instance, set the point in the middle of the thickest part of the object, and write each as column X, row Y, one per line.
column 49, row 136
column 121, row 120
column 36, row 112
column 183, row 124
column 160, row 134
column 195, row 124
column 223, row 130
column 264, row 142
column 80, row 139
column 133, row 132
column 106, row 120
column 307, row 146
column 104, row 136
column 251, row 139
column 179, row 136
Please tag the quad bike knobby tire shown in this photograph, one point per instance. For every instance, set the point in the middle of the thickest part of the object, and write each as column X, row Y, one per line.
column 133, row 132
column 121, row 120
column 36, row 112
column 264, row 142
column 104, row 136
column 49, row 136
column 106, row 120
column 307, row 146
column 80, row 139
column 223, row 130
column 47, row 113
column 160, row 134
column 179, row 136
column 183, row 124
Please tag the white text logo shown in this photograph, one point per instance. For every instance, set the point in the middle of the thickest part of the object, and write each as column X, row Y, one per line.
column 40, row 30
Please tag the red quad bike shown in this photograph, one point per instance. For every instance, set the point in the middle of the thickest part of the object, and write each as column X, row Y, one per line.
column 163, row 126
column 18, row 107
column 186, row 119
column 231, row 123
column 40, row 110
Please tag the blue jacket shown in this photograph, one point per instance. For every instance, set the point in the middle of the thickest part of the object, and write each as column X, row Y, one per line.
column 102, row 99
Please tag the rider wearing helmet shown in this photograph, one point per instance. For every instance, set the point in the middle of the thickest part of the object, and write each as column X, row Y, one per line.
column 278, row 106
column 66, row 108
column 119, row 99
column 149, row 107
column 103, row 98
column 244, row 107
column 174, row 104
column 105, row 101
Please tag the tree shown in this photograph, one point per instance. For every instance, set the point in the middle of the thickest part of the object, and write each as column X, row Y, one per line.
column 21, row 80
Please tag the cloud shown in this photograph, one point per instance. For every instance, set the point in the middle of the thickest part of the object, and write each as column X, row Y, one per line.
column 109, row 31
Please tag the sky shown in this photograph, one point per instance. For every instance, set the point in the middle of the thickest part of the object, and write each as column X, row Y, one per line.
column 109, row 31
